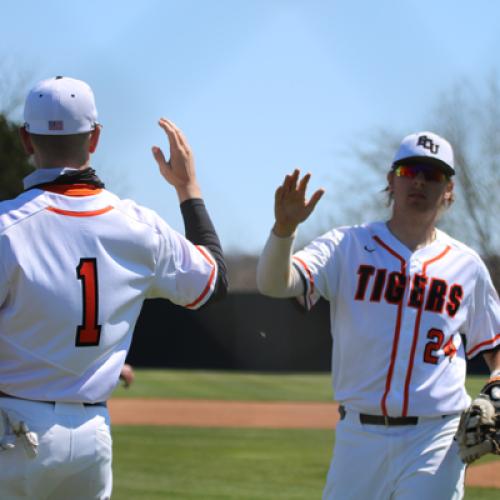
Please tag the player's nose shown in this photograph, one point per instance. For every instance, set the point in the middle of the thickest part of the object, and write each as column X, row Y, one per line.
column 419, row 179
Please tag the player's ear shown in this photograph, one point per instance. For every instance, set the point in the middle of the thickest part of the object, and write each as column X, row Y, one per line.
column 390, row 180
column 94, row 138
column 448, row 192
column 26, row 141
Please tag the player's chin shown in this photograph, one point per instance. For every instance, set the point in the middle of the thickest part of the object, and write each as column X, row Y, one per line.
column 419, row 202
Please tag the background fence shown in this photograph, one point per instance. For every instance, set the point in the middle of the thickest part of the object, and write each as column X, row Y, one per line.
column 245, row 331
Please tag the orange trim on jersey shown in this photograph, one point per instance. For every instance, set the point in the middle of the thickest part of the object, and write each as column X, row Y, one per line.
column 397, row 329
column 486, row 342
column 388, row 248
column 205, row 254
column 210, row 279
column 449, row 349
column 88, row 213
column 416, row 331
column 309, row 273
column 73, row 189
column 434, row 259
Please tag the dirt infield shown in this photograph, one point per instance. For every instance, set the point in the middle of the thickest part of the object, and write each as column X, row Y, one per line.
column 278, row 415
column 201, row 413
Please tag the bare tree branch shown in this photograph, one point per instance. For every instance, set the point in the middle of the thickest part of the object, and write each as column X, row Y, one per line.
column 470, row 119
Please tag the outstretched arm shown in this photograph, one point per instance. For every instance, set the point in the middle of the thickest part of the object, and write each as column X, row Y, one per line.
column 179, row 171
column 276, row 276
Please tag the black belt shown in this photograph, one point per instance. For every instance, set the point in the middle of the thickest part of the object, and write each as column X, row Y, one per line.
column 381, row 419
column 5, row 395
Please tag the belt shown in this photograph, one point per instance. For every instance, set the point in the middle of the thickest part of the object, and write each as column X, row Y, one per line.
column 381, row 419
column 5, row 395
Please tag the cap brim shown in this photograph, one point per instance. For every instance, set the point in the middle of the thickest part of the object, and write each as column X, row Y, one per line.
column 412, row 160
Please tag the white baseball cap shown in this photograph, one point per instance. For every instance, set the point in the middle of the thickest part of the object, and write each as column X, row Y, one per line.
column 425, row 147
column 60, row 106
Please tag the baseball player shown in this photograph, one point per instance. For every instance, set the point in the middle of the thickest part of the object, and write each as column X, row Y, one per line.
column 401, row 292
column 76, row 264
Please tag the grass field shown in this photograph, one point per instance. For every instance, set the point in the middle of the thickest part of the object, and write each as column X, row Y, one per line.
column 229, row 386
column 192, row 463
column 226, row 464
column 237, row 386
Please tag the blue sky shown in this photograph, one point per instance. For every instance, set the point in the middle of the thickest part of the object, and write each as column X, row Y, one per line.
column 259, row 87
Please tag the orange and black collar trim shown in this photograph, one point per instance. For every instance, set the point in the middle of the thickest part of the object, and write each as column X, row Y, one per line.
column 73, row 183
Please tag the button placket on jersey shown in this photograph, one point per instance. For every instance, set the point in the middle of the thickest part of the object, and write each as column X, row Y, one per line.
column 408, row 320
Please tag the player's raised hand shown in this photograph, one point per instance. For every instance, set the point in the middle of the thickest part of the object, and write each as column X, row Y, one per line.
column 290, row 204
column 179, row 171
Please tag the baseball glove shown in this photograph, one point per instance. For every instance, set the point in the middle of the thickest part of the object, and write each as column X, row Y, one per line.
column 479, row 429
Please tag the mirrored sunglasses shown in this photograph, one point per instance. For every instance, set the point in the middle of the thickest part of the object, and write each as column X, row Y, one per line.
column 430, row 173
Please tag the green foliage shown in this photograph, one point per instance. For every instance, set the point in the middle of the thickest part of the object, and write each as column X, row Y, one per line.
column 13, row 160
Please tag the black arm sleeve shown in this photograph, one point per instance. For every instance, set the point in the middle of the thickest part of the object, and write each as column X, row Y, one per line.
column 200, row 231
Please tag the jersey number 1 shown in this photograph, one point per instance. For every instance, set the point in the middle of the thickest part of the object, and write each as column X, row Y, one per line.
column 89, row 332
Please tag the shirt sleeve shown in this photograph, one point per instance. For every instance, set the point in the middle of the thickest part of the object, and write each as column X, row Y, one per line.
column 199, row 230
column 185, row 273
column 482, row 329
column 3, row 286
column 318, row 265
column 276, row 275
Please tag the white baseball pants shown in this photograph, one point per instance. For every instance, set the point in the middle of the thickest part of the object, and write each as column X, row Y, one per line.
column 410, row 462
column 74, row 453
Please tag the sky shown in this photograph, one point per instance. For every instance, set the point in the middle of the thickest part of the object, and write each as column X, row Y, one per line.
column 258, row 87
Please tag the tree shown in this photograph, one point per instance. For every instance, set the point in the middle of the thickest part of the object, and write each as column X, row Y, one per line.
column 471, row 122
column 13, row 87
column 14, row 163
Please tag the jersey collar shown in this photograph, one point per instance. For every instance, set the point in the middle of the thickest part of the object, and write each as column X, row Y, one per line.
column 43, row 175
column 60, row 180
column 381, row 230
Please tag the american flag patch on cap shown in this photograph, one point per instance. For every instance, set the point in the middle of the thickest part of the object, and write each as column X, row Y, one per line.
column 56, row 125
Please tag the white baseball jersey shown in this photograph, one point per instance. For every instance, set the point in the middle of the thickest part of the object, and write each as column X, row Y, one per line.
column 75, row 267
column 397, row 316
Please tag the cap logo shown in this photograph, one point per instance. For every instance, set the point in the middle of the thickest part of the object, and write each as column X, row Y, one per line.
column 427, row 143
column 56, row 125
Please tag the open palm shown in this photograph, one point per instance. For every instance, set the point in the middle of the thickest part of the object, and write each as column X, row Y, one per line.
column 290, row 204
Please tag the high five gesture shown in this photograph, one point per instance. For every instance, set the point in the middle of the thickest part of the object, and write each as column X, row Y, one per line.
column 290, row 204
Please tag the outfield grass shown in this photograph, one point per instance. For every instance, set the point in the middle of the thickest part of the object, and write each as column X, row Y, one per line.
column 230, row 464
column 230, row 386
column 219, row 464
column 238, row 386
column 226, row 464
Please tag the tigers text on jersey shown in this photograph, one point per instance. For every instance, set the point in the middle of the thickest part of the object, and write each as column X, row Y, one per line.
column 75, row 267
column 397, row 316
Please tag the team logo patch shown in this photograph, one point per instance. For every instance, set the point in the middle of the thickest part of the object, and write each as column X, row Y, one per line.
column 427, row 143
column 56, row 125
